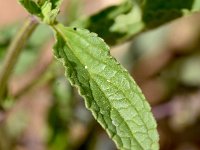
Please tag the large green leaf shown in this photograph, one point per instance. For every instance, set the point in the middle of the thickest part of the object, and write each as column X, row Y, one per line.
column 115, row 100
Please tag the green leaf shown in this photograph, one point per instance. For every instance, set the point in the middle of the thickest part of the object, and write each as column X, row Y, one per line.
column 102, row 22
column 55, row 3
column 31, row 6
column 129, row 24
column 114, row 98
column 49, row 14
column 50, row 10
column 135, row 17
column 47, row 10
column 157, row 12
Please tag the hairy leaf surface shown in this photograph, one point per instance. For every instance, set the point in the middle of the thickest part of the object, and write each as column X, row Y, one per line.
column 109, row 91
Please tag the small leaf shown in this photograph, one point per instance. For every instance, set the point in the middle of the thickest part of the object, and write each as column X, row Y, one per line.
column 55, row 3
column 31, row 6
column 115, row 100
column 47, row 10
column 49, row 14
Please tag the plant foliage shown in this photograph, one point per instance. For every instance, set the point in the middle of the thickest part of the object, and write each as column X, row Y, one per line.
column 109, row 91
column 135, row 16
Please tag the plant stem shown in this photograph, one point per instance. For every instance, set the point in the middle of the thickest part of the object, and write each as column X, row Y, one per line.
column 14, row 51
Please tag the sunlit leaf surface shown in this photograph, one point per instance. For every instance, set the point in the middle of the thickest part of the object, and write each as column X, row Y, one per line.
column 109, row 91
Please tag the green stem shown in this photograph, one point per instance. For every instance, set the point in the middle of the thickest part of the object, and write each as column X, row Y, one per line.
column 14, row 51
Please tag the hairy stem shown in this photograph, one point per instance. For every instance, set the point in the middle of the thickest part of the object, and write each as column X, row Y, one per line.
column 14, row 51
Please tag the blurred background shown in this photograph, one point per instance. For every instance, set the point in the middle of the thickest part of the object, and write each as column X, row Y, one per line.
column 43, row 112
